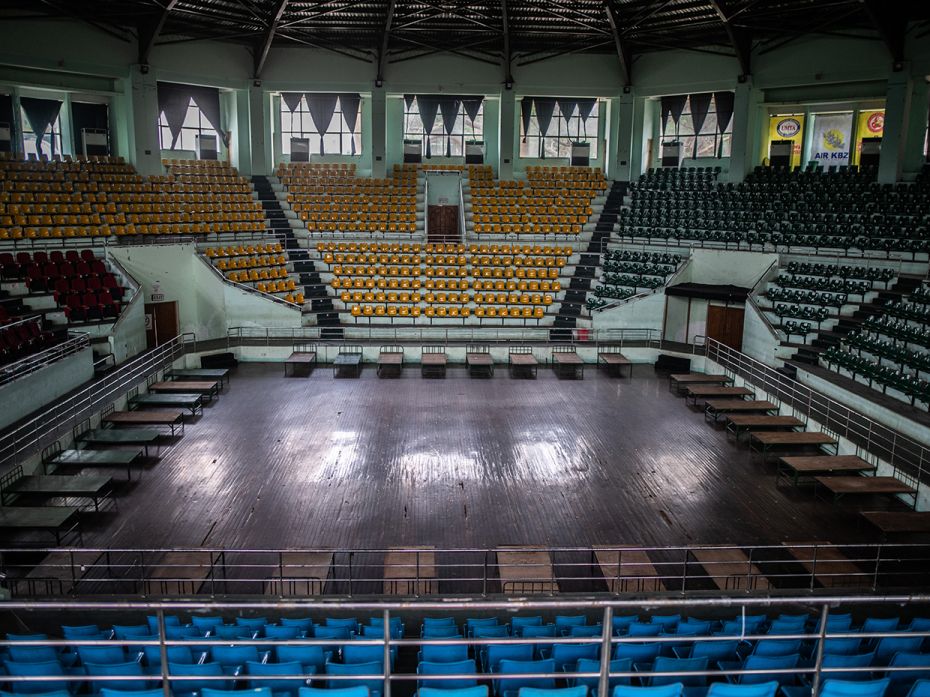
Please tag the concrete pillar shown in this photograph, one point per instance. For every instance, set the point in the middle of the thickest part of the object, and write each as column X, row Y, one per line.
column 640, row 137
column 243, row 134
column 745, row 121
column 68, row 143
column 619, row 164
column 914, row 155
column 144, row 152
column 259, row 131
column 505, row 141
column 378, row 132
column 897, row 119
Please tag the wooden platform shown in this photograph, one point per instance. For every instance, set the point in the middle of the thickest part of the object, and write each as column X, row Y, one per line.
column 523, row 572
column 697, row 393
column 478, row 361
column 830, row 567
column 731, row 569
column 738, row 424
column 207, row 388
column 841, row 487
column 612, row 361
column 566, row 363
column 433, row 362
column 765, row 442
column 300, row 364
column 715, row 408
column 411, row 573
column 173, row 419
column 628, row 571
column 522, row 362
column 390, row 362
column 807, row 467
column 300, row 574
column 891, row 522
column 178, row 573
column 679, row 381
column 220, row 374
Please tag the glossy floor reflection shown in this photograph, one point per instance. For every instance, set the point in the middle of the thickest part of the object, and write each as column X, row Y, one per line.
column 295, row 462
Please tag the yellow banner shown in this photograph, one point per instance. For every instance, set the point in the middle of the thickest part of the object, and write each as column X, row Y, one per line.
column 788, row 127
column 871, row 124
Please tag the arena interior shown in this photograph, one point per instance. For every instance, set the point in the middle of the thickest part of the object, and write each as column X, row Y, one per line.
column 381, row 348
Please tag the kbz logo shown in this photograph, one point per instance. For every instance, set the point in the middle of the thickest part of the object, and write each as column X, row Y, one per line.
column 788, row 128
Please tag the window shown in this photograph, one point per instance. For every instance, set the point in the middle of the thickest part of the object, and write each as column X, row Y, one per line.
column 338, row 139
column 51, row 141
column 195, row 123
column 557, row 141
column 463, row 130
column 708, row 143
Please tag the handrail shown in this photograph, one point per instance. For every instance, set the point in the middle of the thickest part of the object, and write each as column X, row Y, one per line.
column 469, row 571
column 425, row 206
column 137, row 293
column 243, row 287
column 464, row 231
column 900, row 451
column 56, row 420
column 22, row 320
column 77, row 341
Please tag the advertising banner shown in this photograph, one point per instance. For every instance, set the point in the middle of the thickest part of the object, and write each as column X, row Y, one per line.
column 832, row 138
column 788, row 127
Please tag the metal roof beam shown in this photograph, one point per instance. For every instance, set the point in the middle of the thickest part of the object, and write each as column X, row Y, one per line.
column 739, row 38
column 385, row 39
column 624, row 55
column 507, row 56
column 149, row 31
column 890, row 19
column 261, row 51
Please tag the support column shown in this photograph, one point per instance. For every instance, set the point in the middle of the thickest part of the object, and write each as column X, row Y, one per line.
column 144, row 152
column 897, row 116
column 258, row 131
column 243, row 134
column 642, row 124
column 505, row 141
column 914, row 155
column 744, row 145
column 378, row 132
column 620, row 158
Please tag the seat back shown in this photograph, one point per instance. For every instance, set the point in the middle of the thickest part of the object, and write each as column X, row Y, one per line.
column 373, row 668
column 49, row 668
column 283, row 685
column 862, row 660
column 101, row 654
column 759, row 662
column 724, row 689
column 443, row 653
column 646, row 652
column 664, row 664
column 567, row 655
column 231, row 656
column 130, row 668
column 845, row 688
column 305, row 655
column 590, row 665
column 673, row 690
column 474, row 691
column 425, row 668
column 507, row 666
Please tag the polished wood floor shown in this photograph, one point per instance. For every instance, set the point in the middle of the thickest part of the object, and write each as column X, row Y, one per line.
column 306, row 462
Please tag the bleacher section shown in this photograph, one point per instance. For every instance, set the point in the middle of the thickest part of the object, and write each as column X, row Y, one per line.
column 519, row 655
column 843, row 210
column 105, row 197
column 331, row 199
column 435, row 281
column 22, row 337
column 263, row 266
column 626, row 273
column 551, row 201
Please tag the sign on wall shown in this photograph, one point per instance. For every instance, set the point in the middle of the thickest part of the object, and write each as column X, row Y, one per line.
column 871, row 125
column 788, row 127
column 831, row 140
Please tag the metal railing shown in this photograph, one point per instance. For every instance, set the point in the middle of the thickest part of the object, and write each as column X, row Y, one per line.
column 905, row 454
column 515, row 571
column 244, row 287
column 449, row 335
column 395, row 617
column 76, row 342
column 58, row 418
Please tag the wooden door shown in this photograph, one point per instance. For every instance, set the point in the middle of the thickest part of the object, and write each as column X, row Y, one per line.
column 435, row 220
column 725, row 324
column 450, row 220
column 161, row 322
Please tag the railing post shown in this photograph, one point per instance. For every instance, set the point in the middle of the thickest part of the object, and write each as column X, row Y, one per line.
column 818, row 660
column 606, row 634
column 163, row 652
column 386, row 634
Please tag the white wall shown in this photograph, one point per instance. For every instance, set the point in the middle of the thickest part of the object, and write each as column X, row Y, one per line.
column 32, row 392
column 758, row 340
column 642, row 313
column 717, row 267
column 207, row 305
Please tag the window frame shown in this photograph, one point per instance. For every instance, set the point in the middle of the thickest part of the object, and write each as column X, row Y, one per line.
column 723, row 142
column 463, row 131
column 54, row 131
column 303, row 114
column 203, row 127
column 564, row 137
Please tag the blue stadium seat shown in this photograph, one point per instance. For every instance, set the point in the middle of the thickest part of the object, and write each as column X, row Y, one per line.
column 86, row 631
column 901, row 679
column 366, row 653
column 577, row 691
column 564, row 622
column 277, row 631
column 723, row 689
column 840, row 645
column 303, row 623
column 232, row 658
column 776, row 647
column 489, row 632
column 152, row 692
column 196, row 670
column 921, row 689
column 357, row 691
column 51, row 693
column 176, row 654
column 880, row 624
column 673, row 690
column 621, row 624
column 842, row 688
column 441, row 631
column 130, row 669
column 308, row 656
column 179, row 632
column 373, row 668
column 206, row 624
column 427, row 668
column 232, row 632
column 664, row 664
column 442, row 653
column 856, row 660
column 170, row 621
column 497, row 652
column 30, row 654
column 51, row 669
column 397, row 626
column 642, row 652
column 644, row 629
column 888, row 646
column 350, row 623
column 131, row 631
column 669, row 622
column 256, row 624
column 567, row 655
column 430, row 623
column 508, row 687
column 755, row 662
column 588, row 630
column 472, row 623
column 518, row 622
column 283, row 686
column 474, row 691
column 101, row 654
column 589, row 665
column 724, row 650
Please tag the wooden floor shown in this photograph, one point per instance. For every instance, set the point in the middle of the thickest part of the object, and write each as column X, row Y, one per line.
column 300, row 462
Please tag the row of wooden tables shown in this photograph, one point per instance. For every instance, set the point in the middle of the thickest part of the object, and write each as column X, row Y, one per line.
column 770, row 433
column 122, row 442
column 521, row 362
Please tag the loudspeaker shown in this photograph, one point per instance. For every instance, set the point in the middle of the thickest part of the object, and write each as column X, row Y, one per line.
column 474, row 152
column 780, row 153
column 95, row 142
